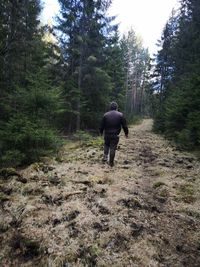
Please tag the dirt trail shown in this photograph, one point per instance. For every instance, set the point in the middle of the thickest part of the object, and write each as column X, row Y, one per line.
column 80, row 212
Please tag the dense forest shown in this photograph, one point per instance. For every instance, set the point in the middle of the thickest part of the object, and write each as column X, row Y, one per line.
column 177, row 77
column 59, row 85
column 60, row 79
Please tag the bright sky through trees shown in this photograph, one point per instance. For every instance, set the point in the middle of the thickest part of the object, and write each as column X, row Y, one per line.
column 146, row 17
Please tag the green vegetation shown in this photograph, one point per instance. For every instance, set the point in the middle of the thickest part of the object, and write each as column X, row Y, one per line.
column 25, row 246
column 61, row 85
column 87, row 140
column 186, row 193
column 176, row 77
column 163, row 193
column 30, row 103
column 191, row 213
column 158, row 184
column 134, row 119
column 65, row 85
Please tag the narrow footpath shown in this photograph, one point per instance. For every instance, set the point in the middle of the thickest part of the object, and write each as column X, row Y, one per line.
column 75, row 211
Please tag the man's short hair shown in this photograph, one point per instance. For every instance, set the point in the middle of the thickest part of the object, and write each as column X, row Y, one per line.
column 113, row 105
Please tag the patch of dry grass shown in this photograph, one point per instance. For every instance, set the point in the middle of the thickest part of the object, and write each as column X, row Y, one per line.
column 186, row 193
column 80, row 212
column 158, row 184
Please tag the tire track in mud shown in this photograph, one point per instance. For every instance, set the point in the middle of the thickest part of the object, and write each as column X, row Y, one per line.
column 80, row 212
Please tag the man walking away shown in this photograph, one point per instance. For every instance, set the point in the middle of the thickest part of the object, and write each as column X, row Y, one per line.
column 111, row 126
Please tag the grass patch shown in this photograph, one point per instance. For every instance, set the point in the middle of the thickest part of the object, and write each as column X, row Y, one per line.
column 158, row 172
column 186, row 193
column 95, row 142
column 100, row 180
column 89, row 255
column 24, row 246
column 191, row 213
column 4, row 197
column 163, row 193
column 134, row 119
column 6, row 173
column 32, row 190
column 158, row 184
column 71, row 151
column 87, row 140
column 197, row 154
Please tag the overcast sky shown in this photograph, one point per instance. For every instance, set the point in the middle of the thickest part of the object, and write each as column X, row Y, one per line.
column 146, row 17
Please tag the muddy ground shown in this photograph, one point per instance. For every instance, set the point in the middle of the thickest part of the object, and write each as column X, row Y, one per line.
column 76, row 211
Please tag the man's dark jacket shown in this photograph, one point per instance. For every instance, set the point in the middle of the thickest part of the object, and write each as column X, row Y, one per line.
column 112, row 122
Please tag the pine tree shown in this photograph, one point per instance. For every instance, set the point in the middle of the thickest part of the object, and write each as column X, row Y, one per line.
column 136, row 64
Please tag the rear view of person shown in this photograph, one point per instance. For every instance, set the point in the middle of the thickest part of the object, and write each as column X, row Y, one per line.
column 111, row 125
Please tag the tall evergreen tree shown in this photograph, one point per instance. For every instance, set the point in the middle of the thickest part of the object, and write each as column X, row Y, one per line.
column 83, row 30
column 27, row 96
column 164, row 70
column 181, row 113
column 115, row 69
column 136, row 64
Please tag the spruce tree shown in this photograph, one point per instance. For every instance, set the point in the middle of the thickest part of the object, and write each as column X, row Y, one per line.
column 115, row 69
column 180, row 105
column 29, row 102
column 83, row 30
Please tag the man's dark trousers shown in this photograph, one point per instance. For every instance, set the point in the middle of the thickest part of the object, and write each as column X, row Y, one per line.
column 110, row 143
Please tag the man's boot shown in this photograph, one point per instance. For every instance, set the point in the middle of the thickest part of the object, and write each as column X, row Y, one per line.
column 111, row 164
column 105, row 158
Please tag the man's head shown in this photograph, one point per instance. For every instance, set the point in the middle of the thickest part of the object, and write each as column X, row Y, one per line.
column 113, row 106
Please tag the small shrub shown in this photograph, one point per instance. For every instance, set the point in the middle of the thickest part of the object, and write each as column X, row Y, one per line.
column 87, row 140
column 12, row 158
column 183, row 138
column 82, row 136
column 95, row 142
column 25, row 140
column 134, row 119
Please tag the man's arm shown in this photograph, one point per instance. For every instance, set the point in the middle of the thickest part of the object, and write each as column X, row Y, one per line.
column 102, row 126
column 124, row 126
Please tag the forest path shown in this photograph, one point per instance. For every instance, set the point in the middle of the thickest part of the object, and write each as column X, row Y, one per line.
column 143, row 212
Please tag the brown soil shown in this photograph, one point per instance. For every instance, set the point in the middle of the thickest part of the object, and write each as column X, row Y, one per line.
column 80, row 212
